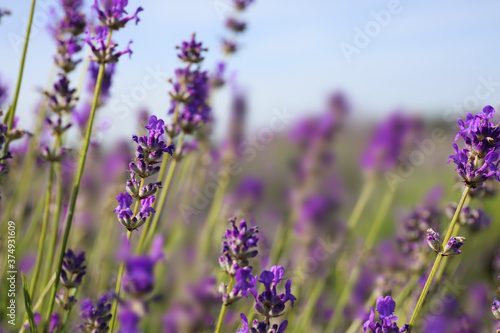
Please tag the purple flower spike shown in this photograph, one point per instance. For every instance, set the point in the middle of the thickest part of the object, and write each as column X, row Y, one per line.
column 113, row 13
column 96, row 318
column 239, row 246
column 191, row 51
column 244, row 281
column 139, row 278
column 269, row 303
column 104, row 54
column 434, row 240
column 73, row 269
column 261, row 327
column 477, row 162
column 386, row 307
column 453, row 246
column 242, row 4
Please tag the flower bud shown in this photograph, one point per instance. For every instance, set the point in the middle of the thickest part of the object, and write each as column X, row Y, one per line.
column 434, row 240
column 453, row 246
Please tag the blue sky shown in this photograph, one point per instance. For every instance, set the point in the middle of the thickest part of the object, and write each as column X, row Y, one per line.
column 429, row 57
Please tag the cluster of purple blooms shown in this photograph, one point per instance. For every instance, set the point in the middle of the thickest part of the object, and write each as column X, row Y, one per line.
column 390, row 142
column 148, row 154
column 73, row 270
column 96, row 318
column 269, row 303
column 386, row 323
column 62, row 99
column 477, row 162
column 190, row 91
column 236, row 26
column 239, row 245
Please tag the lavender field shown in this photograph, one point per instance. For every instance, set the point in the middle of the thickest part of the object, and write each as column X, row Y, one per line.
column 178, row 178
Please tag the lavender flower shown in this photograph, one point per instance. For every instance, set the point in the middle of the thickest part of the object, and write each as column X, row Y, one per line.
column 73, row 269
column 434, row 240
column 239, row 246
column 149, row 151
column 55, row 322
column 386, row 144
column 475, row 219
column 453, row 246
column 96, row 318
column 477, row 162
column 269, row 303
column 235, row 25
column 113, row 13
column 139, row 278
column 104, row 54
column 191, row 51
column 229, row 47
column 242, row 4
column 385, row 307
column 217, row 78
column 245, row 282
column 129, row 321
column 261, row 327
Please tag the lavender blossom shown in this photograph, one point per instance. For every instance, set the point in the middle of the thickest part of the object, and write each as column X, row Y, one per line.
column 104, row 54
column 477, row 162
column 386, row 144
column 385, row 307
column 96, row 318
column 453, row 246
column 139, row 278
column 495, row 308
column 73, row 269
column 475, row 219
column 434, row 240
column 191, row 51
column 239, row 245
column 242, row 4
column 261, row 327
column 269, row 303
column 245, row 282
column 113, row 13
column 235, row 25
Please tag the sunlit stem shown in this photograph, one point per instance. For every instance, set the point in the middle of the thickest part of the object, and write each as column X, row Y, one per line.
column 439, row 257
column 12, row 109
column 76, row 187
column 223, row 309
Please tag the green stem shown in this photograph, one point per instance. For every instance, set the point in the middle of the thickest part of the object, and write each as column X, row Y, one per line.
column 76, row 187
column 55, row 224
column 223, row 309
column 439, row 257
column 353, row 277
column 361, row 203
column 12, row 110
column 41, row 244
column 118, row 288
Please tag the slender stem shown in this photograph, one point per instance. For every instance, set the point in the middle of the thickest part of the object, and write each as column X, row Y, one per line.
column 439, row 257
column 40, row 299
column 212, row 217
column 12, row 110
column 223, row 309
column 118, row 288
column 353, row 277
column 121, row 269
column 361, row 203
column 41, row 244
column 55, row 224
column 76, row 187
